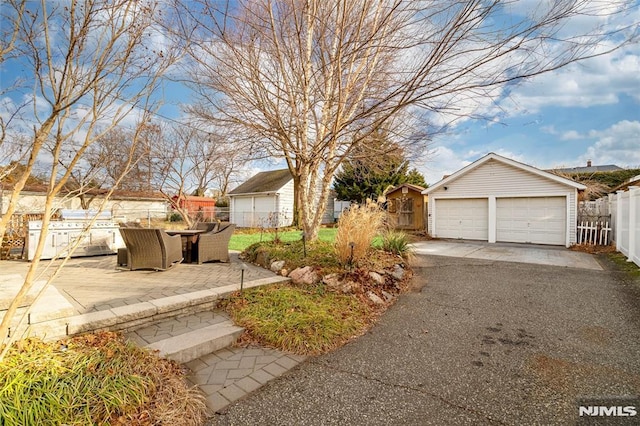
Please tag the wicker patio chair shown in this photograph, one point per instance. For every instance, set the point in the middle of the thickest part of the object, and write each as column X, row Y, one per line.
column 206, row 226
column 214, row 245
column 151, row 248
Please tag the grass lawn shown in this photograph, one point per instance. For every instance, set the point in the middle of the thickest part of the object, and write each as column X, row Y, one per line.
column 241, row 240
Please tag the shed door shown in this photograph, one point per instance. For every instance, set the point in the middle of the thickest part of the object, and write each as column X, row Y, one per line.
column 405, row 212
column 465, row 218
column 537, row 220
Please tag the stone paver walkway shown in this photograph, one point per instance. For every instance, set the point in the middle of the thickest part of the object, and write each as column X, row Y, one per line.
column 232, row 373
column 226, row 375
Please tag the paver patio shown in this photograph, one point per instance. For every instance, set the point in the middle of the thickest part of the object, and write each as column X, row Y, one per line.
column 95, row 283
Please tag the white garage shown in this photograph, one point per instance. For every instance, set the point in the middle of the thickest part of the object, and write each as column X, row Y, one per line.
column 496, row 199
column 265, row 200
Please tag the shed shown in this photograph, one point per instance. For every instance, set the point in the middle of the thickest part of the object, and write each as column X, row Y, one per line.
column 408, row 206
column 204, row 207
column 497, row 199
column 265, row 200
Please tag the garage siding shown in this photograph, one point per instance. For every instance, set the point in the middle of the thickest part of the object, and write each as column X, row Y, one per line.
column 495, row 178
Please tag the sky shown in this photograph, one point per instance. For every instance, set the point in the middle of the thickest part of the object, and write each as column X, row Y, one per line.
column 586, row 111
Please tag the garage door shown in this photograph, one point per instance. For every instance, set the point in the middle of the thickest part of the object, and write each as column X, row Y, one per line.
column 462, row 218
column 538, row 220
column 242, row 211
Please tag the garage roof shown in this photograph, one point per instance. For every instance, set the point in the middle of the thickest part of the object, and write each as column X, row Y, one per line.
column 269, row 181
column 496, row 157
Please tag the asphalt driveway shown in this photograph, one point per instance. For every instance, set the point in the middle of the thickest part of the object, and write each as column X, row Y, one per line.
column 482, row 342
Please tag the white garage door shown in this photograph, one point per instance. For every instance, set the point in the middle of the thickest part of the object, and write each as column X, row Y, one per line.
column 537, row 220
column 242, row 211
column 462, row 218
column 253, row 212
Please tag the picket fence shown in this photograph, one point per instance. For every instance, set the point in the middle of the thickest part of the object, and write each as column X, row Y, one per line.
column 594, row 233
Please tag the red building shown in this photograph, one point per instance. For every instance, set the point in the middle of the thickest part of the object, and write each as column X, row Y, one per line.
column 197, row 207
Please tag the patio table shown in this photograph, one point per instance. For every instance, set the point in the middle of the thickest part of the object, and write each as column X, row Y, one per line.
column 189, row 238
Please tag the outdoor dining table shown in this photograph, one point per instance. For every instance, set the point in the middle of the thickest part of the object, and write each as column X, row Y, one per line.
column 189, row 238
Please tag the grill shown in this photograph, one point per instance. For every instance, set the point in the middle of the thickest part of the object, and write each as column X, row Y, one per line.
column 102, row 238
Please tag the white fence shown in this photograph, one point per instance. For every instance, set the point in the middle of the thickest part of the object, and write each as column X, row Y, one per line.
column 595, row 233
column 625, row 212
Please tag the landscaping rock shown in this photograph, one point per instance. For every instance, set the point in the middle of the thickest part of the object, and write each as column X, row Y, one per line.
column 284, row 272
column 375, row 298
column 277, row 265
column 377, row 278
column 331, row 280
column 304, row 275
column 333, row 283
column 262, row 259
column 387, row 296
column 397, row 273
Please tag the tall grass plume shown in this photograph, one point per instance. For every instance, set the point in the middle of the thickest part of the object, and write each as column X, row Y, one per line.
column 357, row 228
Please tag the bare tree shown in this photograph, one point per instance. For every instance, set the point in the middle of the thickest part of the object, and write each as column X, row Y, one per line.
column 95, row 64
column 311, row 80
column 187, row 160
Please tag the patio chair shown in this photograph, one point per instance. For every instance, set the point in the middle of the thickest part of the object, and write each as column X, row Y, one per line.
column 151, row 248
column 214, row 245
column 206, row 226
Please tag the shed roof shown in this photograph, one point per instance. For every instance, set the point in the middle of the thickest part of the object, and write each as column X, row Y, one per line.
column 517, row 164
column 411, row 186
column 269, row 181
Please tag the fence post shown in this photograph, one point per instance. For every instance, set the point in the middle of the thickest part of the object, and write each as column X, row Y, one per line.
column 633, row 192
column 618, row 219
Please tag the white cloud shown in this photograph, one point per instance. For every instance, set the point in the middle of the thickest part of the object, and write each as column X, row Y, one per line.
column 597, row 81
column 619, row 144
column 571, row 135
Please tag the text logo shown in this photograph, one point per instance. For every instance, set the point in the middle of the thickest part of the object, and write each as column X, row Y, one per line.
column 607, row 411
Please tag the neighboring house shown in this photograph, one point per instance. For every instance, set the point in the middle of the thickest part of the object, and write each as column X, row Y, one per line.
column 496, row 199
column 125, row 205
column 408, row 206
column 588, row 169
column 266, row 200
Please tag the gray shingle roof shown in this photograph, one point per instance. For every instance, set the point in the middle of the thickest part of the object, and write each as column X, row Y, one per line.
column 264, row 182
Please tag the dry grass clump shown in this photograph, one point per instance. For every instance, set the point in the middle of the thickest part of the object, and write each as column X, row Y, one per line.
column 358, row 227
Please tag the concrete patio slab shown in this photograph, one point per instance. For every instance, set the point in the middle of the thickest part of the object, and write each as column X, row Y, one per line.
column 508, row 252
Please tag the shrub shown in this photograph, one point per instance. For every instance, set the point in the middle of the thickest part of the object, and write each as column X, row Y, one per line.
column 175, row 217
column 358, row 226
column 397, row 243
column 93, row 379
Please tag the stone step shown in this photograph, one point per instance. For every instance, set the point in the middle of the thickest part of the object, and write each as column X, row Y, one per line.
column 194, row 344
column 131, row 317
